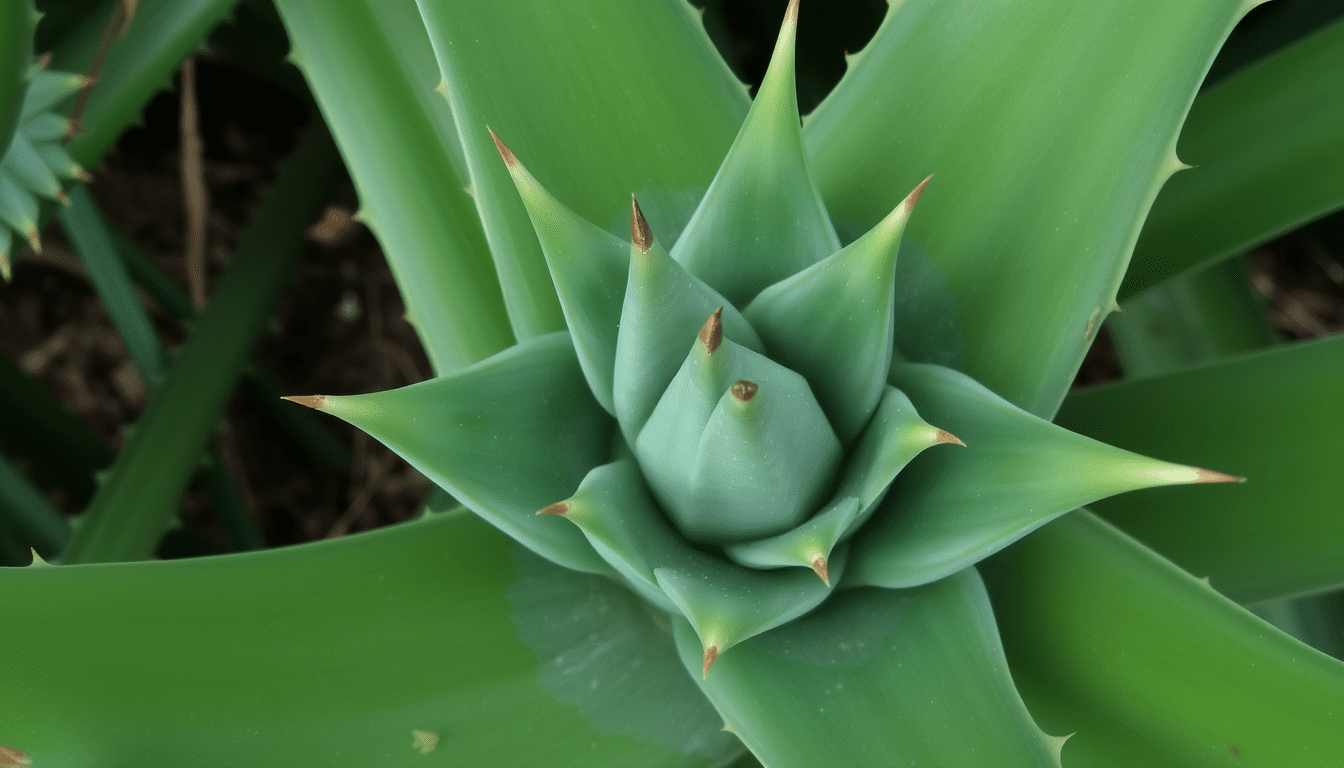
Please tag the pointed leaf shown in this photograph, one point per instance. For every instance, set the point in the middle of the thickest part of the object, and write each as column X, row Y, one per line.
column 250, row 660
column 894, row 437
column 1049, row 143
column 18, row 208
column 725, row 602
column 1273, row 416
column 809, row 545
column 589, row 267
column 27, row 166
column 505, row 437
column 1151, row 667
column 664, row 307
column 832, row 322
column 595, row 121
column 1267, row 144
column 879, row 678
column 762, row 218
column 953, row 508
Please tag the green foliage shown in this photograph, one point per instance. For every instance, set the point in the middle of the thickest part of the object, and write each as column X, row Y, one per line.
column 794, row 419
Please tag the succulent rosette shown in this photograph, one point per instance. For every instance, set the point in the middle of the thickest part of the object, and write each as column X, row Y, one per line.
column 727, row 427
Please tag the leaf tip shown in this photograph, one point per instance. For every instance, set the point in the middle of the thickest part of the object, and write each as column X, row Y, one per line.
column 943, row 436
column 640, row 234
column 1214, row 476
column 316, row 402
column 909, row 202
column 711, row 333
column 819, row 567
column 711, row 655
column 507, row 154
column 14, row 758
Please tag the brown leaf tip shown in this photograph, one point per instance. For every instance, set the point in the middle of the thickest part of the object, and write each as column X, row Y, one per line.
column 14, row 758
column 744, row 390
column 558, row 508
column 819, row 565
column 640, row 234
column 504, row 152
column 1214, row 476
column 711, row 333
column 791, row 13
column 316, row 402
column 913, row 197
column 711, row 654
column 943, row 436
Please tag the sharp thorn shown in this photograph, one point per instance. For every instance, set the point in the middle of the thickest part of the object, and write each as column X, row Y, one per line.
column 34, row 240
column 819, row 565
column 504, row 152
column 37, row 559
column 791, row 13
column 640, row 234
column 913, row 197
column 943, row 436
column 744, row 390
column 711, row 654
column 558, row 508
column 316, row 402
column 1214, row 476
column 711, row 333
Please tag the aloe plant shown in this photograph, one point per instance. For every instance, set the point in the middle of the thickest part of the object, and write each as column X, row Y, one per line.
column 763, row 427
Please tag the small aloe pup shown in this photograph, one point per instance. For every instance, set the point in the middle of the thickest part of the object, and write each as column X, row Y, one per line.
column 33, row 163
column 726, row 427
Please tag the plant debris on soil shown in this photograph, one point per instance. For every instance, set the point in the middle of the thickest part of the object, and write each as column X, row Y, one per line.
column 340, row 327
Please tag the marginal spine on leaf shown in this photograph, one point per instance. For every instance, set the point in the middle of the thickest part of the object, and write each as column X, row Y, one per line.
column 711, row 654
column 819, row 566
column 744, row 390
column 640, row 234
column 558, row 508
column 316, row 402
column 711, row 333
column 504, row 152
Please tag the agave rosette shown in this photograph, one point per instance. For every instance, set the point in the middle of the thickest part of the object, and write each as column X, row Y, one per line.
column 727, row 427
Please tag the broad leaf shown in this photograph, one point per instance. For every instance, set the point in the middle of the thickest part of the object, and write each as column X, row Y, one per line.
column 1275, row 417
column 1150, row 666
column 879, row 678
column 418, row 645
column 1050, row 129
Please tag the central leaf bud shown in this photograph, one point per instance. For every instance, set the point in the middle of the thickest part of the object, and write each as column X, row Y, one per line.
column 737, row 447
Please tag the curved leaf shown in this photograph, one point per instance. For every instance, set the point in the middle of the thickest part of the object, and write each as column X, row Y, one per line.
column 951, row 508
column 371, row 68
column 339, row 653
column 1267, row 146
column 879, row 678
column 1049, row 144
column 505, row 437
column 1273, row 416
column 1151, row 667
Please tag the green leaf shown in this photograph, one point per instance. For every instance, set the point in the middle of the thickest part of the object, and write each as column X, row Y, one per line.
column 589, row 267
column 1272, row 416
column 879, row 678
column 665, row 306
column 1049, row 143
column 335, row 653
column 16, row 53
column 953, row 507
column 833, row 322
column 1267, row 146
column 506, row 437
column 808, row 546
column 762, row 219
column 578, row 115
column 25, row 512
column 1151, row 667
column 724, row 602
column 371, row 68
